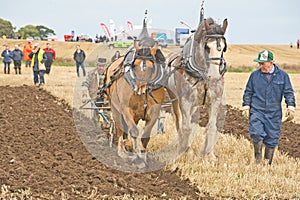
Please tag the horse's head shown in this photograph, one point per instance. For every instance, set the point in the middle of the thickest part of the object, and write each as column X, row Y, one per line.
column 145, row 64
column 209, row 47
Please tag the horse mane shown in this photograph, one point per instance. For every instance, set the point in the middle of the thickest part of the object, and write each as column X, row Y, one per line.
column 213, row 28
column 147, row 42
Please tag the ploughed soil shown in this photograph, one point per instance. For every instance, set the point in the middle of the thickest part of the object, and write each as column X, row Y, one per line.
column 40, row 149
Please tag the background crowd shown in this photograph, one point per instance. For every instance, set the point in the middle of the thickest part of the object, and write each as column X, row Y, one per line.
column 40, row 60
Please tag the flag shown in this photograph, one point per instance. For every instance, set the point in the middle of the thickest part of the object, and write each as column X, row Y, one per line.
column 130, row 26
column 112, row 27
column 122, row 29
column 105, row 29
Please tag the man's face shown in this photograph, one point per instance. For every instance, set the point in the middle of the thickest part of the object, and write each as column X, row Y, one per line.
column 101, row 68
column 265, row 66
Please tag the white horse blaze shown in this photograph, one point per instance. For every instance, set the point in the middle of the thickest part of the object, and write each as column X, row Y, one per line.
column 213, row 70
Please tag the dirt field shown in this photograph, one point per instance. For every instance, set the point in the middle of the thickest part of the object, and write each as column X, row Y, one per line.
column 41, row 149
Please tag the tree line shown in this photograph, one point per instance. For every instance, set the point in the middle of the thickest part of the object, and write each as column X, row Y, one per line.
column 39, row 31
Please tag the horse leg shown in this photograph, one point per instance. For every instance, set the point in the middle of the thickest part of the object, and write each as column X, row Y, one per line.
column 216, row 97
column 221, row 114
column 176, row 109
column 131, row 131
column 153, row 113
column 121, row 144
column 182, row 110
column 184, row 133
column 121, row 137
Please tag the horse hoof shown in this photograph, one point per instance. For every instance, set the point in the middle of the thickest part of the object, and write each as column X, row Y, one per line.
column 210, row 156
column 122, row 154
column 139, row 163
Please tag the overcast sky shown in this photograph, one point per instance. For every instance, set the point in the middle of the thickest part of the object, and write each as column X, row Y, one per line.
column 250, row 21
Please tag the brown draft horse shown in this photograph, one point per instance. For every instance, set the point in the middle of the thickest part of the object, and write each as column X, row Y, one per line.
column 196, row 77
column 135, row 93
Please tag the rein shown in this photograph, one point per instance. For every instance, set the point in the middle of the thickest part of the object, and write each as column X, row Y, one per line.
column 173, row 72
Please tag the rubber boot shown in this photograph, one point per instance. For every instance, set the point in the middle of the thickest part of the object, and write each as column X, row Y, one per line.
column 269, row 153
column 258, row 152
column 16, row 71
column 20, row 71
column 8, row 70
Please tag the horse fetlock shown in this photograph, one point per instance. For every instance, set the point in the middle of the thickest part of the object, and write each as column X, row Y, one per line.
column 128, row 145
column 145, row 142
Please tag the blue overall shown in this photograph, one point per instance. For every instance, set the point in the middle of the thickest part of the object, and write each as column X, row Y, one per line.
column 264, row 96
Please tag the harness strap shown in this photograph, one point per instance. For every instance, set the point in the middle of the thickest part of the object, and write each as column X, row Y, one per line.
column 151, row 95
column 192, row 62
column 113, row 77
column 182, row 94
column 202, row 12
column 145, row 106
column 205, row 94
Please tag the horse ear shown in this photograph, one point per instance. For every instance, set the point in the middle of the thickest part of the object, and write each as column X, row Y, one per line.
column 154, row 49
column 207, row 27
column 225, row 24
column 136, row 45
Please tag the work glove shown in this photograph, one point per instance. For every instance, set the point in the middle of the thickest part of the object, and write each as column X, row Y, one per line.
column 245, row 111
column 290, row 113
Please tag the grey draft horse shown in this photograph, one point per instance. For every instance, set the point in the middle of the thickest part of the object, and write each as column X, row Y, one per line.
column 195, row 78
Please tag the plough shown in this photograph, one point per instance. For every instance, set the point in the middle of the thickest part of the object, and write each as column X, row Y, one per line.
column 102, row 110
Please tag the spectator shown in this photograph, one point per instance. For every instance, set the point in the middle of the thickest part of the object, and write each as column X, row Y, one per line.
column 116, row 56
column 38, row 58
column 100, row 38
column 262, row 100
column 51, row 56
column 104, row 38
column 17, row 56
column 298, row 43
column 27, row 49
column 97, row 39
column 79, row 57
column 6, row 54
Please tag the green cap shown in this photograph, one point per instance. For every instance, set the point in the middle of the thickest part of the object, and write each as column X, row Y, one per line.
column 264, row 56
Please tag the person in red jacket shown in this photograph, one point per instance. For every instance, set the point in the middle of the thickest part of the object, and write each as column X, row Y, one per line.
column 27, row 49
column 51, row 56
